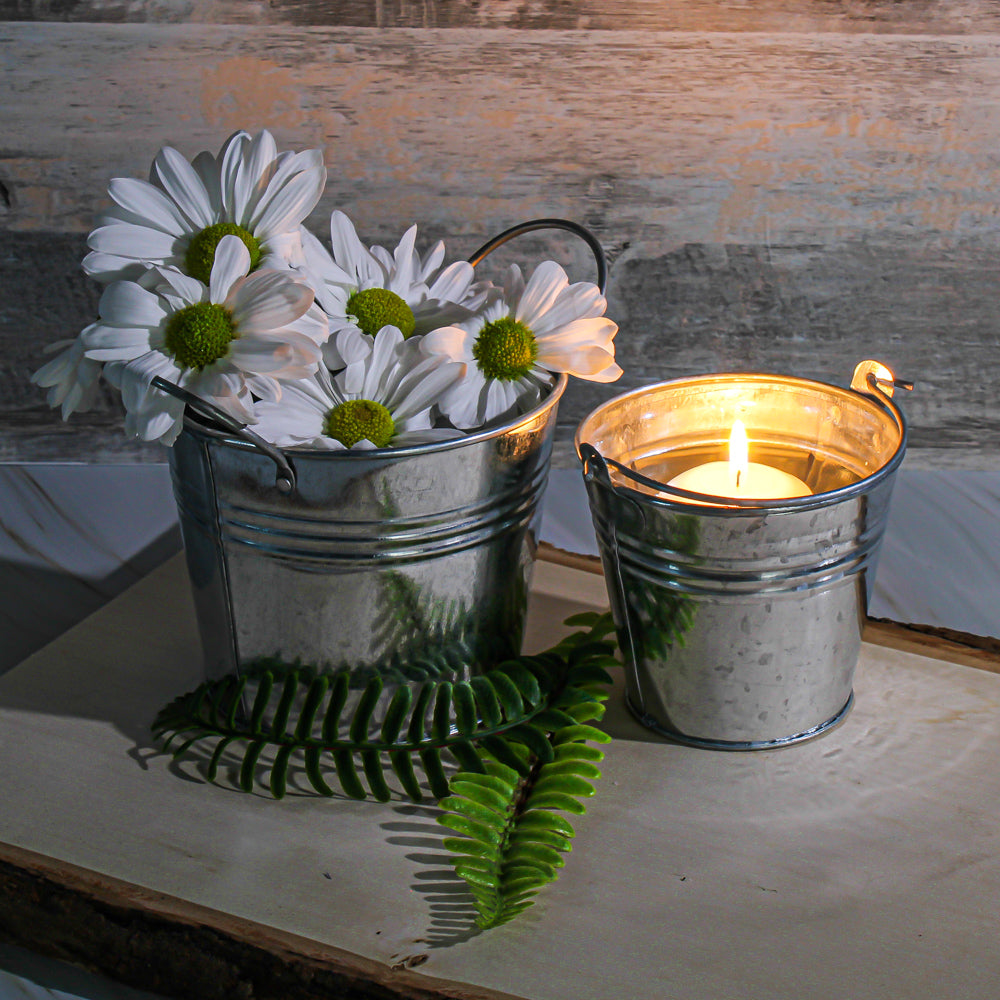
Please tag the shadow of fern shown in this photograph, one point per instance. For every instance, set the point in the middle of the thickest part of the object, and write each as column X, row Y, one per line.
column 193, row 767
column 450, row 904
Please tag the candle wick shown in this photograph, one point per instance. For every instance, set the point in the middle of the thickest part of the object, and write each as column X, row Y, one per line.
column 738, row 474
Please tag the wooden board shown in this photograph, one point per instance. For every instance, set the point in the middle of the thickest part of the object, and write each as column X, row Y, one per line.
column 863, row 862
column 785, row 186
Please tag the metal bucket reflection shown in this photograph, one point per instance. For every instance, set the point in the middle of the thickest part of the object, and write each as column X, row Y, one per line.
column 741, row 623
column 409, row 563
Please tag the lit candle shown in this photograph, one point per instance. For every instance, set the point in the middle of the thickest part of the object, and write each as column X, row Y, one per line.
column 739, row 477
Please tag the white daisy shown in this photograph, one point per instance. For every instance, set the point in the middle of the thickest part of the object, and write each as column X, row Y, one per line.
column 391, row 408
column 71, row 377
column 361, row 289
column 178, row 218
column 520, row 337
column 243, row 332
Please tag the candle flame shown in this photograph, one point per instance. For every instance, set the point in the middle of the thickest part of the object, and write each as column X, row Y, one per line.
column 739, row 453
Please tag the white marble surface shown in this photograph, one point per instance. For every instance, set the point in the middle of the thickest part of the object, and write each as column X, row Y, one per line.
column 73, row 536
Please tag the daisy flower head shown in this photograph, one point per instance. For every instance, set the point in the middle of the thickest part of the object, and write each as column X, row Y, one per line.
column 178, row 217
column 240, row 333
column 71, row 377
column 390, row 408
column 363, row 289
column 525, row 332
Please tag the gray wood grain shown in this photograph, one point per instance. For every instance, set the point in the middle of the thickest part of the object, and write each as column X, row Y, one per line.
column 787, row 201
column 862, row 16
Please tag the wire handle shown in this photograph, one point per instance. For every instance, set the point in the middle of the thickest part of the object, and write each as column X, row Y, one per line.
column 573, row 227
column 285, row 479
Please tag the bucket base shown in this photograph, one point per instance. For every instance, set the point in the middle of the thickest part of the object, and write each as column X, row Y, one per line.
column 708, row 744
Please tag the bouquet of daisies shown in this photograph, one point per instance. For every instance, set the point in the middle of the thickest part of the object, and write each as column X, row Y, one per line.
column 212, row 283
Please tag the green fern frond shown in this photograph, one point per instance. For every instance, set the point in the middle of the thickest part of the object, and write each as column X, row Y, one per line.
column 510, row 821
column 512, row 833
column 277, row 715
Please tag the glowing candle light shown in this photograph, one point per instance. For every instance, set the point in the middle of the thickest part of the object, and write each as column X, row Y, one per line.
column 740, row 478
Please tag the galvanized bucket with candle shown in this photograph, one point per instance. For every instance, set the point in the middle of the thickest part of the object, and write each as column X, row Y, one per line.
column 739, row 576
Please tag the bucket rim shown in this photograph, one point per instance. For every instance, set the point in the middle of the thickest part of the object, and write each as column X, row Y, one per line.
column 738, row 507
column 201, row 427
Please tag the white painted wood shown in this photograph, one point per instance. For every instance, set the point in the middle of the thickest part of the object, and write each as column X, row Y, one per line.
column 863, row 863
column 664, row 138
column 791, row 193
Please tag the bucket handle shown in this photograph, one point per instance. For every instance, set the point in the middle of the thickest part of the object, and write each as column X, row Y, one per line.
column 285, row 479
column 664, row 491
column 573, row 227
column 595, row 470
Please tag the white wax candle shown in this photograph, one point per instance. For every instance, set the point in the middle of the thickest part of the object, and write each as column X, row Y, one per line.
column 740, row 478
column 756, row 482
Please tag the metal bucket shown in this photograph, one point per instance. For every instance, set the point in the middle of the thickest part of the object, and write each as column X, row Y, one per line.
column 412, row 562
column 740, row 621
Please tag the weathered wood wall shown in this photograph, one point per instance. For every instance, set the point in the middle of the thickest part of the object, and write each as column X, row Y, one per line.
column 784, row 185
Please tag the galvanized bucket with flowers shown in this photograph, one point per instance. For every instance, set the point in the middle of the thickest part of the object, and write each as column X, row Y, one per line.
column 360, row 438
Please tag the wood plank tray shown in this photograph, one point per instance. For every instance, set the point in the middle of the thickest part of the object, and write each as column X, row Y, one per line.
column 864, row 863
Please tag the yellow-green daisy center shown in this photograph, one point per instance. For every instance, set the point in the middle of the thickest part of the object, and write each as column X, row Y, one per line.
column 200, row 334
column 505, row 349
column 200, row 254
column 377, row 307
column 360, row 420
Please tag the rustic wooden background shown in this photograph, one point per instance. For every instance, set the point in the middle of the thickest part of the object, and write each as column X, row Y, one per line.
column 787, row 185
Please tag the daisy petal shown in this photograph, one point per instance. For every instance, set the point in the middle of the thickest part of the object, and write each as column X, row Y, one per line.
column 267, row 300
column 232, row 261
column 287, row 165
column 500, row 399
column 207, row 169
column 172, row 283
column 449, row 341
column 252, row 177
column 453, row 282
column 150, row 203
column 124, row 303
column 291, row 204
column 591, row 362
column 460, row 403
column 284, row 249
column 313, row 324
column 425, row 384
column 350, row 253
column 135, row 242
column 403, row 276
column 271, row 357
column 380, row 364
column 264, row 387
column 581, row 301
column 180, row 180
column 111, row 343
column 597, row 330
column 107, row 267
column 432, row 260
column 230, row 160
column 541, row 292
